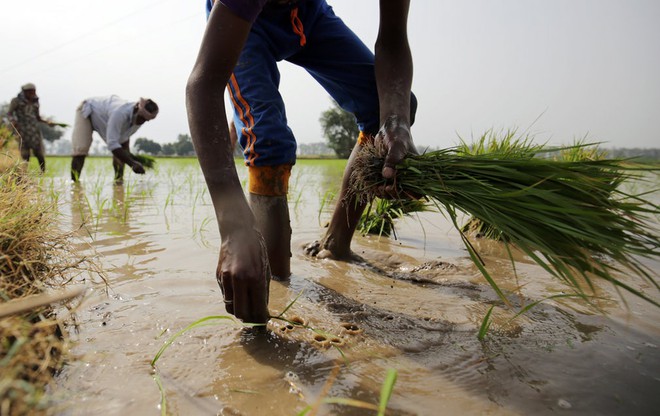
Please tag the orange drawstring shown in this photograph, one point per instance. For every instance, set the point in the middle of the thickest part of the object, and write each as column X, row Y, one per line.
column 298, row 26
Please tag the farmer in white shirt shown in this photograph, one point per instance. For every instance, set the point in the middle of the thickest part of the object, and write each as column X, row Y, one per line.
column 115, row 120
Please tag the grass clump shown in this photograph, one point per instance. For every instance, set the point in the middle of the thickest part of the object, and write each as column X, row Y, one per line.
column 378, row 218
column 512, row 146
column 149, row 162
column 571, row 217
column 34, row 257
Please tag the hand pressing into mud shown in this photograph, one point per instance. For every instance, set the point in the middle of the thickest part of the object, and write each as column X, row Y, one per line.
column 394, row 136
column 244, row 275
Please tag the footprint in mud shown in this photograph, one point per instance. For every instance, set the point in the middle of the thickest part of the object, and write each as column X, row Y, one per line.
column 398, row 330
column 292, row 324
column 328, row 340
column 318, row 338
column 350, row 329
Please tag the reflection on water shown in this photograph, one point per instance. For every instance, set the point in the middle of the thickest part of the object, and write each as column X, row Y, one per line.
column 415, row 305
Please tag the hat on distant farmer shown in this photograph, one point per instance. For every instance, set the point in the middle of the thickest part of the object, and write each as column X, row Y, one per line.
column 147, row 109
column 28, row 86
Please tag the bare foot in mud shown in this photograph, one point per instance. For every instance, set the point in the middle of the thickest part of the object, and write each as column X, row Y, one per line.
column 321, row 250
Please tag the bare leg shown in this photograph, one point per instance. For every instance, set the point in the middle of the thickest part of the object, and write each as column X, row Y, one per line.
column 77, row 163
column 25, row 153
column 337, row 241
column 118, row 166
column 39, row 154
column 272, row 217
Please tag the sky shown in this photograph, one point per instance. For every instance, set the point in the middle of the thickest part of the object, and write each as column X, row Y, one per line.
column 558, row 70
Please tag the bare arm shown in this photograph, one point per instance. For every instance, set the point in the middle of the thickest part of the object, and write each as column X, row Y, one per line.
column 243, row 271
column 394, row 70
column 221, row 45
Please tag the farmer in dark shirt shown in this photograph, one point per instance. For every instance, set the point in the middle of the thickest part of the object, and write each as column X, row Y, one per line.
column 243, row 42
column 24, row 115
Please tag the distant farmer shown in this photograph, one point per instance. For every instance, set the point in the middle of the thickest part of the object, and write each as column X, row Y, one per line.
column 240, row 49
column 24, row 115
column 115, row 120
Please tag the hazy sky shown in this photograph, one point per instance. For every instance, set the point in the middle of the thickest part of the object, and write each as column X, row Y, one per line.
column 560, row 69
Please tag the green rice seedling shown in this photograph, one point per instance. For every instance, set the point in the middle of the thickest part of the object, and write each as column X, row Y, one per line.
column 327, row 199
column 485, row 324
column 378, row 218
column 385, row 395
column 580, row 151
column 571, row 218
column 149, row 162
column 163, row 396
column 509, row 145
column 386, row 391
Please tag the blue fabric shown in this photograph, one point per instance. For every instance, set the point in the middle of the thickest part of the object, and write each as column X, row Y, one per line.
column 333, row 55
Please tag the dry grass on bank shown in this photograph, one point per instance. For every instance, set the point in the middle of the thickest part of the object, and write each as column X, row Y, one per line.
column 35, row 258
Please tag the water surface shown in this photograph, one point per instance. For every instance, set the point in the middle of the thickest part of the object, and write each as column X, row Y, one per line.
column 415, row 306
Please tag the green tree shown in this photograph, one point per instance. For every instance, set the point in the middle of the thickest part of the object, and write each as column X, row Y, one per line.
column 184, row 146
column 340, row 130
column 168, row 149
column 145, row 145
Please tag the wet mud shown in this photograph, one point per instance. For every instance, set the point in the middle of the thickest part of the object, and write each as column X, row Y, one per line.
column 415, row 305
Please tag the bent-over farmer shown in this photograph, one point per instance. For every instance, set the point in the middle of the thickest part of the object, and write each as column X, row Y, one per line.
column 115, row 120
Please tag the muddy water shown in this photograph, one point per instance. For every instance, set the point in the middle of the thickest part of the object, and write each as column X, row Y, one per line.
column 415, row 306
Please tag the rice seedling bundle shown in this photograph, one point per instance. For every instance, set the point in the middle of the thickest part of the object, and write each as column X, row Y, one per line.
column 378, row 218
column 147, row 161
column 570, row 217
column 510, row 145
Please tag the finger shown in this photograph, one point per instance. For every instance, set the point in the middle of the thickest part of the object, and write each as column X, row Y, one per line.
column 388, row 172
column 394, row 156
column 250, row 305
column 226, row 285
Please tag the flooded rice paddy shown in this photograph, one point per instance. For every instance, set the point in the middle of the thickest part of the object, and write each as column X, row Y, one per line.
column 415, row 306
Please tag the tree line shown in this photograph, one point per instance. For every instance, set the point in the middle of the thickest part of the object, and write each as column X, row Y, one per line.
column 183, row 146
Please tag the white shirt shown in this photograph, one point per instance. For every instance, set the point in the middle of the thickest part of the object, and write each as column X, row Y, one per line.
column 112, row 118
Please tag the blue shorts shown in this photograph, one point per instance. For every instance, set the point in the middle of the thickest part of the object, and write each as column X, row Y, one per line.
column 310, row 35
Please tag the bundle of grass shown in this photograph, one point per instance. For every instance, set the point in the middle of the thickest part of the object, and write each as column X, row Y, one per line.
column 510, row 146
column 34, row 257
column 378, row 218
column 149, row 162
column 572, row 218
